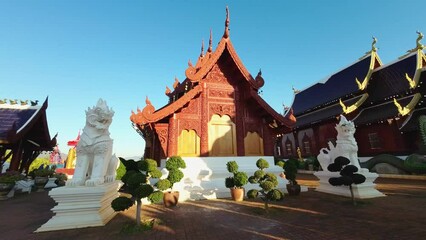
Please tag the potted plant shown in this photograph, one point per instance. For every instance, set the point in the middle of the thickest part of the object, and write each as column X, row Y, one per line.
column 267, row 182
column 290, row 171
column 236, row 182
column 174, row 165
column 61, row 178
column 137, row 185
column 7, row 182
column 41, row 175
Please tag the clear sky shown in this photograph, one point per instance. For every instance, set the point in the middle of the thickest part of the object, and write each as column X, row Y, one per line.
column 75, row 52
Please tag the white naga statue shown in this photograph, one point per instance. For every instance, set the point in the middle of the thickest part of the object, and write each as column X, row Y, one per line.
column 95, row 163
column 346, row 145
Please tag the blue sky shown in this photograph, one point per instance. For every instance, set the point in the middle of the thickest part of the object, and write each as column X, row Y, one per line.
column 76, row 52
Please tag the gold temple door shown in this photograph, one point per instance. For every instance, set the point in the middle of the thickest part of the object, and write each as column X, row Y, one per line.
column 222, row 136
column 253, row 144
column 188, row 144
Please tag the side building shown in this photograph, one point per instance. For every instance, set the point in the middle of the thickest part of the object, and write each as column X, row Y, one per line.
column 384, row 101
column 215, row 111
column 24, row 133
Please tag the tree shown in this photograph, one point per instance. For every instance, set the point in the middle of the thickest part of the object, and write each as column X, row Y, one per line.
column 137, row 183
column 267, row 182
column 348, row 175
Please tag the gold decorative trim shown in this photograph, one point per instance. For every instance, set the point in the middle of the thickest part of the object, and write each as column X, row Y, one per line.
column 363, row 85
column 410, row 106
column 354, row 106
column 419, row 65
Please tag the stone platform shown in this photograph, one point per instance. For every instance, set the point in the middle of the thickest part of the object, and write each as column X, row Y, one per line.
column 80, row 207
column 361, row 191
column 205, row 176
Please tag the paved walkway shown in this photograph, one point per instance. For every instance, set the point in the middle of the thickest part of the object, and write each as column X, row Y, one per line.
column 312, row 215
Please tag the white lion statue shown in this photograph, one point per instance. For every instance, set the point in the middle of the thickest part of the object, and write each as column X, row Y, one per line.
column 95, row 163
column 346, row 145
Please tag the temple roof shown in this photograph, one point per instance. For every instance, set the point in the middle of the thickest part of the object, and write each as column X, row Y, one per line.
column 194, row 84
column 387, row 92
column 25, row 121
column 323, row 114
column 338, row 85
column 390, row 80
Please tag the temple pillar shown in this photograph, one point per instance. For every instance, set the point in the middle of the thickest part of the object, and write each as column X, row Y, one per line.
column 16, row 156
column 204, row 135
column 239, row 123
column 172, row 145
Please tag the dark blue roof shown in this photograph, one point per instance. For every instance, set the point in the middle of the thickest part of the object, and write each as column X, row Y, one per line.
column 390, row 80
column 324, row 113
column 9, row 116
column 338, row 85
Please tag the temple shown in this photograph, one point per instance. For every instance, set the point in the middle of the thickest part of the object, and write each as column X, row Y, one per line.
column 24, row 132
column 215, row 111
column 384, row 101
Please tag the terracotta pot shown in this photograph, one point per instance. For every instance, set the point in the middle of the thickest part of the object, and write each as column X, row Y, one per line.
column 171, row 199
column 5, row 189
column 237, row 194
column 293, row 189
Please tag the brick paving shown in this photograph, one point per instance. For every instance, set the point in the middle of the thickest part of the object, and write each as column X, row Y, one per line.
column 312, row 215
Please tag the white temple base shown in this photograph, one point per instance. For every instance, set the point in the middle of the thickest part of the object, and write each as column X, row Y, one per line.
column 205, row 176
column 361, row 191
column 80, row 207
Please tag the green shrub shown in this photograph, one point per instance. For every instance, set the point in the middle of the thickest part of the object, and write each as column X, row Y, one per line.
column 173, row 165
column 290, row 171
column 156, row 197
column 121, row 203
column 232, row 166
column 267, row 182
column 238, row 180
column 163, row 184
column 262, row 164
column 415, row 163
column 136, row 182
column 10, row 177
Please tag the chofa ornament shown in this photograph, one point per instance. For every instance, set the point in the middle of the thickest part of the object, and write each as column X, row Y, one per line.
column 346, row 145
column 95, row 163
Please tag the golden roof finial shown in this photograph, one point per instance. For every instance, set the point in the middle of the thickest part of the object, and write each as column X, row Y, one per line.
column 226, row 33
column 373, row 45
column 419, row 45
column 210, row 42
column 295, row 91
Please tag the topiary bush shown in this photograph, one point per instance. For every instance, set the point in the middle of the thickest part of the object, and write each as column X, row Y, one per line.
column 174, row 165
column 239, row 179
column 137, row 183
column 348, row 175
column 268, row 183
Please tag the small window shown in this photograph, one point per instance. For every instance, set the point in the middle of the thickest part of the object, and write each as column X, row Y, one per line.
column 374, row 140
column 289, row 149
column 307, row 147
column 306, row 144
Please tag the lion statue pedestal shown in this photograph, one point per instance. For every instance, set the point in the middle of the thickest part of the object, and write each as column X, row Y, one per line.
column 85, row 201
column 347, row 147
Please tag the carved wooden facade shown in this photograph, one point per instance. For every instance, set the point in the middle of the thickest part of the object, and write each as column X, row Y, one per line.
column 215, row 111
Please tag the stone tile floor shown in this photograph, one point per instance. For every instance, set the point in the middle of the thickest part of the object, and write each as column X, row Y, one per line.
column 312, row 215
